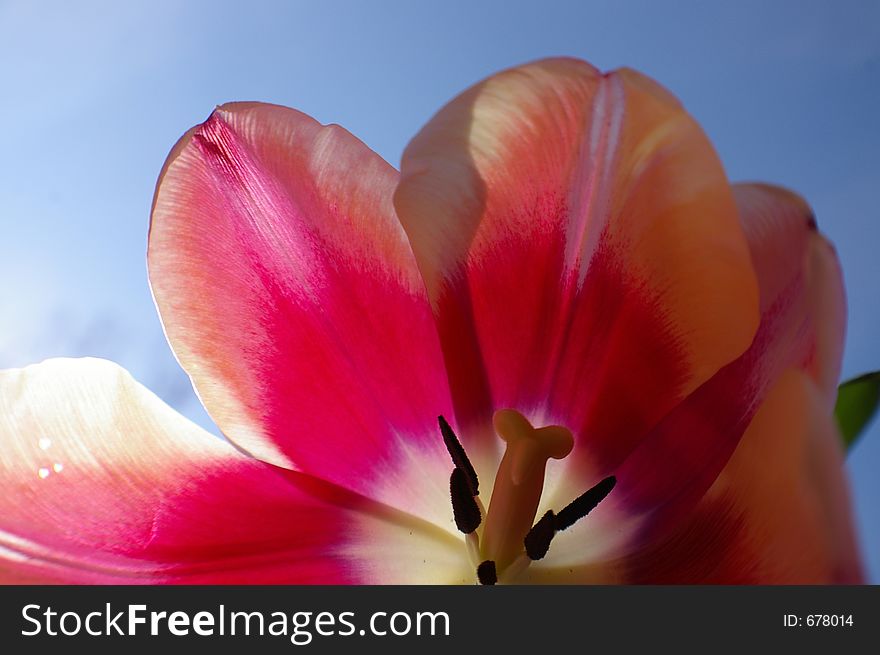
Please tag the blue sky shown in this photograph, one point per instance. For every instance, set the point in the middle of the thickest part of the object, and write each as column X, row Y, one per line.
column 94, row 96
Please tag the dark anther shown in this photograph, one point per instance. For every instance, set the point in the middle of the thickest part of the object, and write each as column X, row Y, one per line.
column 459, row 457
column 537, row 541
column 811, row 222
column 464, row 507
column 486, row 572
column 584, row 504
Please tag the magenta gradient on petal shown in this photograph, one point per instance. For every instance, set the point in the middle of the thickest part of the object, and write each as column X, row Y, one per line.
column 286, row 283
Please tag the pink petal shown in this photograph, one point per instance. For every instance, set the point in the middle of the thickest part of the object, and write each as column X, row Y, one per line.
column 104, row 483
column 289, row 293
column 581, row 251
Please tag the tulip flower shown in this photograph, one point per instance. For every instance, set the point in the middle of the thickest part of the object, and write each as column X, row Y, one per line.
column 557, row 347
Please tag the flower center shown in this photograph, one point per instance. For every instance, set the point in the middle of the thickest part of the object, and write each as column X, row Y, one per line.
column 509, row 542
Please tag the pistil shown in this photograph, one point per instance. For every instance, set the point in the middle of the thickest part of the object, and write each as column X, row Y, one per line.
column 519, row 483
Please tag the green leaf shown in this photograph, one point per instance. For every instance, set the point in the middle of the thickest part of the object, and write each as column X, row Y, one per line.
column 857, row 402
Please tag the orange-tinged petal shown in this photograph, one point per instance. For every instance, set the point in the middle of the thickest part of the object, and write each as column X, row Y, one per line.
column 802, row 327
column 779, row 513
column 581, row 250
column 773, row 218
column 798, row 277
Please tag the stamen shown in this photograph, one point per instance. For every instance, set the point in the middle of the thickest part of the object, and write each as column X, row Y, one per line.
column 537, row 541
column 480, row 505
column 464, row 508
column 459, row 457
column 584, row 504
column 486, row 573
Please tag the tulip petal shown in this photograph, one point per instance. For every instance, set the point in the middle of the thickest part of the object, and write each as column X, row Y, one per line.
column 774, row 219
column 104, row 483
column 581, row 250
column 289, row 294
column 802, row 327
column 779, row 512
